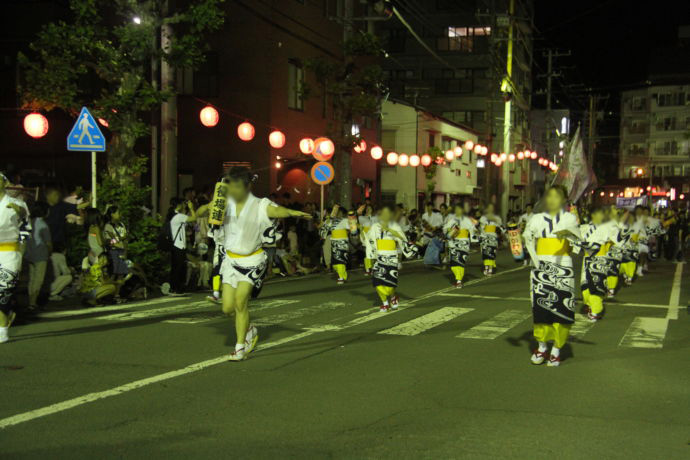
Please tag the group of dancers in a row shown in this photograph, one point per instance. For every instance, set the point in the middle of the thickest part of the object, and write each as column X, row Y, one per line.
column 611, row 241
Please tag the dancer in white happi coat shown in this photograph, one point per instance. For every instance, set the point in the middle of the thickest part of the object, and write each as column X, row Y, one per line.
column 489, row 226
column 13, row 228
column 458, row 230
column 248, row 224
column 547, row 238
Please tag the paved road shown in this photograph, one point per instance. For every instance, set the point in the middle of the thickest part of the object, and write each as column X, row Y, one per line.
column 446, row 377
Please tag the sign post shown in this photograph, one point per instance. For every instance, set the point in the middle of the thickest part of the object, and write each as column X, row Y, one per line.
column 86, row 136
column 322, row 173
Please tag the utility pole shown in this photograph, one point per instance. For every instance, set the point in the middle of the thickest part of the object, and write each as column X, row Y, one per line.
column 592, row 128
column 168, row 175
column 155, row 151
column 550, row 74
column 344, row 157
column 507, row 89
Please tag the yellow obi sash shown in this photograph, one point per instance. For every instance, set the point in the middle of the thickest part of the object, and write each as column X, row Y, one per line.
column 366, row 229
column 635, row 237
column 339, row 234
column 385, row 245
column 9, row 247
column 604, row 249
column 490, row 229
column 232, row 255
column 462, row 233
column 553, row 247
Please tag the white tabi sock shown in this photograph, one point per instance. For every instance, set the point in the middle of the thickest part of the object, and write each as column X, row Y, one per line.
column 385, row 303
column 239, row 346
column 542, row 347
column 4, row 334
column 555, row 351
column 216, row 294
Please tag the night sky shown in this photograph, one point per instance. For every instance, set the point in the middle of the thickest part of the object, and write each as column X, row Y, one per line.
column 611, row 40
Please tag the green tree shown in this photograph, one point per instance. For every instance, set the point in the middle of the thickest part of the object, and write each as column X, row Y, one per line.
column 101, row 58
column 352, row 90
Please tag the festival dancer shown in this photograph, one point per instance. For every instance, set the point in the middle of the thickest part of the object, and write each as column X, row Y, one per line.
column 642, row 224
column 547, row 237
column 489, row 225
column 458, row 229
column 389, row 242
column 633, row 231
column 366, row 219
column 247, row 221
column 597, row 238
column 13, row 229
column 340, row 229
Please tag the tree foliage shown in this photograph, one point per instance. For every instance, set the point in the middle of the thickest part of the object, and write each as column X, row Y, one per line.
column 101, row 58
column 353, row 89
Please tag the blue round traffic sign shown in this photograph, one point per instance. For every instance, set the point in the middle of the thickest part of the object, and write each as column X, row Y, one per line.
column 322, row 173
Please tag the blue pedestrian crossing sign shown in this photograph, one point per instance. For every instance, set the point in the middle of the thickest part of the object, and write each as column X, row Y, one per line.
column 85, row 136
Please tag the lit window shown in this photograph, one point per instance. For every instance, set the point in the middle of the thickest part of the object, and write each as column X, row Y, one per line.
column 462, row 38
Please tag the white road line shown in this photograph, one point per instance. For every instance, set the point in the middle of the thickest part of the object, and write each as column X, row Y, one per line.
column 254, row 306
column 485, row 297
column 425, row 322
column 674, row 299
column 527, row 299
column 495, row 326
column 92, row 397
column 581, row 327
column 645, row 333
column 143, row 314
column 98, row 310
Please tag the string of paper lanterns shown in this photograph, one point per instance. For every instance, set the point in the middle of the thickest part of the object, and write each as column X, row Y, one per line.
column 323, row 148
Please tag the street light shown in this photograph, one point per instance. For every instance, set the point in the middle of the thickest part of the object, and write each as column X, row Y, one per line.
column 136, row 20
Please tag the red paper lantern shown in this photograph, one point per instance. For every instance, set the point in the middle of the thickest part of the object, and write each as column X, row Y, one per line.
column 458, row 151
column 469, row 145
column 533, row 155
column 361, row 147
column 103, row 122
column 511, row 157
column 485, row 150
column 209, row 116
column 376, row 152
column 450, row 155
column 426, row 159
column 323, row 149
column 245, row 131
column 503, row 157
column 477, row 149
column 276, row 139
column 36, row 125
column 306, row 146
column 392, row 158
column 520, row 155
column 403, row 159
column 499, row 162
column 414, row 160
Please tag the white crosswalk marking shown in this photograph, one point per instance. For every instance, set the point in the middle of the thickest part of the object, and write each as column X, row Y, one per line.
column 426, row 322
column 645, row 333
column 496, row 326
column 581, row 327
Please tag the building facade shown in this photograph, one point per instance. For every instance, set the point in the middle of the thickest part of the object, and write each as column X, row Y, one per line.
column 654, row 141
column 409, row 129
column 463, row 82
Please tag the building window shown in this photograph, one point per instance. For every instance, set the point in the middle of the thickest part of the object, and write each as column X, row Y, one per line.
column 295, row 84
column 432, row 139
column 638, row 103
column 667, row 148
column 670, row 99
column 461, row 39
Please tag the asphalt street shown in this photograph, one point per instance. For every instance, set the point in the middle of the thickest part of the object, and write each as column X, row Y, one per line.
column 447, row 376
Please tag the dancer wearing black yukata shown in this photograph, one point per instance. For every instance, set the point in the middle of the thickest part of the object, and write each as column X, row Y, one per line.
column 547, row 238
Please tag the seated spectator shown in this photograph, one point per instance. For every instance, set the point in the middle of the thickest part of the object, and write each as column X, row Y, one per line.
column 115, row 236
column 61, row 272
column 95, row 284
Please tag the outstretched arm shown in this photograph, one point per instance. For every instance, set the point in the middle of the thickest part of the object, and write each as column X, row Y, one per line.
column 279, row 212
